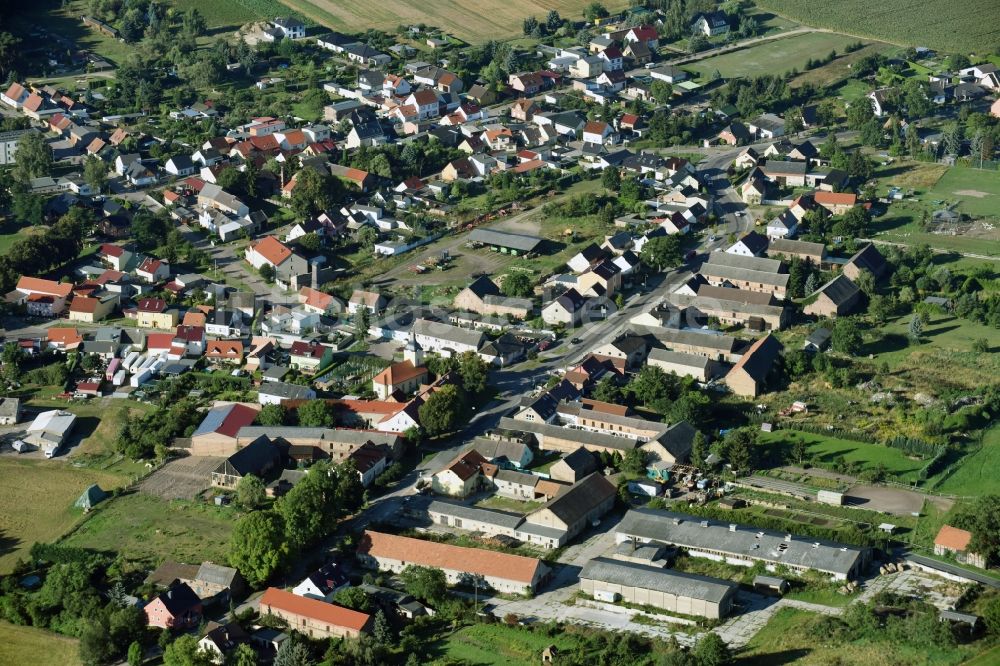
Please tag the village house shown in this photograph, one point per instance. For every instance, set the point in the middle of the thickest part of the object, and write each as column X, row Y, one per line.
column 40, row 297
column 313, row 618
column 955, row 542
column 177, row 608
column 153, row 313
column 403, row 377
column 710, row 24
column 483, row 296
column 461, row 477
column 748, row 378
column 838, row 297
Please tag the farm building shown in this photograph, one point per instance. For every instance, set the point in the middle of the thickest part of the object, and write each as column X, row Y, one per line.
column 741, row 545
column 314, row 618
column 673, row 591
column 510, row 574
column 502, row 241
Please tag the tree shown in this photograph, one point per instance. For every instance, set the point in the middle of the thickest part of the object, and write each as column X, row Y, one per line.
column 271, row 415
column 316, row 414
column 711, row 650
column 442, row 411
column 611, row 179
column 553, row 21
column 799, row 450
column 654, row 387
column 250, row 492
column 662, row 251
column 310, row 242
column 367, row 237
column 740, row 449
column 293, row 653
column 425, row 583
column 95, row 645
column 258, row 545
column 530, row 25
column 266, row 273
column 353, row 597
column 951, row 138
column 793, row 120
column 243, row 656
column 95, row 173
column 634, row 462
column 866, row 282
column 185, row 652
column 34, row 158
column 135, row 654
column 518, row 284
column 916, row 328
column 846, row 336
column 607, row 390
column 810, row 285
column 699, row 449
column 983, row 520
column 595, row 10
column 661, row 91
column 314, row 192
column 362, row 320
column 473, row 371
column 381, row 631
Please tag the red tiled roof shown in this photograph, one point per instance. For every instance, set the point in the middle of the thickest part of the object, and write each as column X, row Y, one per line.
column 444, row 556
column 273, row 250
column 224, row 349
column 953, row 538
column 152, row 305
column 43, row 286
column 835, row 198
column 112, row 250
column 313, row 609
column 397, row 373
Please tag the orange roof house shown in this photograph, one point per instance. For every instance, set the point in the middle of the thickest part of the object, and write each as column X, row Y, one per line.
column 267, row 250
column 955, row 542
column 224, row 350
column 64, row 338
column 317, row 619
column 33, row 285
column 503, row 572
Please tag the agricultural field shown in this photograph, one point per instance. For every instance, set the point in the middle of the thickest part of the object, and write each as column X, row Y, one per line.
column 38, row 497
column 827, row 449
column 790, row 636
column 28, row 645
column 774, row 57
column 142, row 527
column 838, row 69
column 471, row 20
column 938, row 24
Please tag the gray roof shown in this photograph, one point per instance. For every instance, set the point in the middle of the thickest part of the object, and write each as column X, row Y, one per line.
column 520, row 478
column 448, row 333
column 695, row 338
column 788, row 246
column 285, row 391
column 730, row 273
column 491, row 449
column 745, row 263
column 338, row 435
column 692, row 586
column 9, row 406
column 581, row 437
column 713, row 304
column 489, row 516
column 580, row 460
column 840, row 289
column 521, row 242
column 576, row 503
column 216, row 574
column 679, row 358
column 253, row 458
column 819, row 337
column 743, row 541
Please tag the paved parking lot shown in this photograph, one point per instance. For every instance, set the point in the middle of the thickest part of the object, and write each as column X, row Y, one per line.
column 181, row 478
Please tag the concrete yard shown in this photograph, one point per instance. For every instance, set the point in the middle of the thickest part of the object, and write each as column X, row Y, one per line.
column 895, row 501
column 181, row 478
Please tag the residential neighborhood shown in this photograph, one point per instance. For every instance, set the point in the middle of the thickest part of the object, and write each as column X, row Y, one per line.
column 566, row 333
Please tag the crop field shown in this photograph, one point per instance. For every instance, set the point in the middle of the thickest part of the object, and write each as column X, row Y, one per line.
column 38, row 496
column 828, row 449
column 839, row 68
column 28, row 645
column 471, row 20
column 775, row 57
column 143, row 527
column 938, row 24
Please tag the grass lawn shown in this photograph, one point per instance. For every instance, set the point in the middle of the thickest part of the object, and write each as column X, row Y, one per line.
column 472, row 20
column 827, row 449
column 12, row 231
column 38, row 496
column 143, row 527
column 28, row 645
column 789, row 637
column 501, row 645
column 776, row 57
column 977, row 473
column 943, row 358
column 977, row 191
column 839, row 68
column 507, row 504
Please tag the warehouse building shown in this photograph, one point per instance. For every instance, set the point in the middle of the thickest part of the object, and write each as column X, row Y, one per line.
column 742, row 545
column 673, row 591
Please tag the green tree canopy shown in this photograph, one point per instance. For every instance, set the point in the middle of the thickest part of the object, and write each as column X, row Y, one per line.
column 258, row 545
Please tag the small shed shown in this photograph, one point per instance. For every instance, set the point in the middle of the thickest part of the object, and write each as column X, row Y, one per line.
column 957, row 617
column 770, row 584
column 888, row 528
column 91, row 497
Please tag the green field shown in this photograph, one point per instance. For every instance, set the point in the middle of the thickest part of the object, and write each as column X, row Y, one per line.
column 146, row 528
column 790, row 637
column 939, row 24
column 11, row 232
column 38, row 496
column 977, row 191
column 827, row 449
column 499, row 645
column 28, row 645
column 471, row 20
column 774, row 57
column 977, row 473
